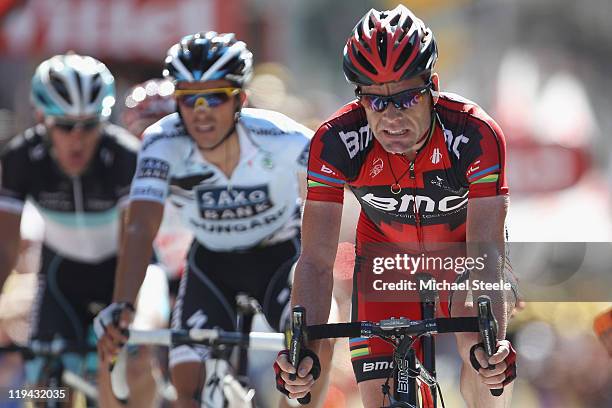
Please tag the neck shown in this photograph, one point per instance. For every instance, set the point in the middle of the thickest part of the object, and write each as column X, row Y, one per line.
column 411, row 154
column 226, row 155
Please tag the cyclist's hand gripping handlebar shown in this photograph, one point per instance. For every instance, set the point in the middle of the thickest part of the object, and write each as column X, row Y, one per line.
column 488, row 332
column 298, row 332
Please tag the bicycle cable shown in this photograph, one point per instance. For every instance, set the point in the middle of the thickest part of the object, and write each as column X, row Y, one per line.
column 415, row 373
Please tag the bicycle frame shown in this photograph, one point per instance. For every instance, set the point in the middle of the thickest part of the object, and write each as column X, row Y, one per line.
column 407, row 388
column 406, row 373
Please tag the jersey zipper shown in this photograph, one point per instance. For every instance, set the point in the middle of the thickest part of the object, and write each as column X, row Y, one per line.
column 79, row 205
column 417, row 217
column 77, row 191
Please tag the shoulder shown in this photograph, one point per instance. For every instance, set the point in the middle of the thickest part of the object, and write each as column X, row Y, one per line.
column 120, row 139
column 342, row 142
column 346, row 132
column 461, row 115
column 470, row 133
column 349, row 117
column 166, row 133
column 30, row 145
column 262, row 123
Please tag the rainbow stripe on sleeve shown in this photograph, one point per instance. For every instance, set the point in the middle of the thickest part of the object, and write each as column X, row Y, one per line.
column 359, row 347
column 485, row 176
column 320, row 180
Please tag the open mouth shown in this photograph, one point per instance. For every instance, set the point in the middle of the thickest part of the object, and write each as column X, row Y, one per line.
column 396, row 133
column 204, row 128
column 76, row 158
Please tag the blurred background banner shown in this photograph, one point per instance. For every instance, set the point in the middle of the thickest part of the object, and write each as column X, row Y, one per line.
column 116, row 29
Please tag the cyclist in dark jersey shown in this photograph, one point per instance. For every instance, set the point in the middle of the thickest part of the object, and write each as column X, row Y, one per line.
column 428, row 169
column 76, row 168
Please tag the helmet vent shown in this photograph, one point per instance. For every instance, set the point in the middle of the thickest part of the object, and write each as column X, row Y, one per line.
column 365, row 63
column 77, row 79
column 381, row 44
column 60, row 87
column 96, row 87
column 42, row 98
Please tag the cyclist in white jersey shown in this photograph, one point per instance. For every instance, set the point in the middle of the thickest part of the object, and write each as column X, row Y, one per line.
column 234, row 173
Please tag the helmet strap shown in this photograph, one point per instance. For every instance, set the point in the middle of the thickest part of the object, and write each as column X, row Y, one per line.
column 229, row 132
column 221, row 141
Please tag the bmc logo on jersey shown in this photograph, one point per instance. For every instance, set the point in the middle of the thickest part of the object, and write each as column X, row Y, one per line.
column 356, row 141
column 423, row 203
column 219, row 203
column 377, row 366
column 327, row 170
column 453, row 141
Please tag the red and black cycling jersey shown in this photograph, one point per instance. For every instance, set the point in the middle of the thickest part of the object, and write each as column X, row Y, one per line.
column 464, row 158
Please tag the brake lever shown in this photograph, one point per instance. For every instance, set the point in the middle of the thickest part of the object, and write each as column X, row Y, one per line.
column 298, row 334
column 487, row 326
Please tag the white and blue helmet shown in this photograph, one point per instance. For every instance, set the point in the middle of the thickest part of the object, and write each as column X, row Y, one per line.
column 73, row 85
column 208, row 56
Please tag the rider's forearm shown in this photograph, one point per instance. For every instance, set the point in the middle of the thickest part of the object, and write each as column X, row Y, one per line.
column 493, row 272
column 312, row 289
column 134, row 258
column 499, row 298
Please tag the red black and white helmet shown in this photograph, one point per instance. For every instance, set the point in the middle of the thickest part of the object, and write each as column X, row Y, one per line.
column 389, row 46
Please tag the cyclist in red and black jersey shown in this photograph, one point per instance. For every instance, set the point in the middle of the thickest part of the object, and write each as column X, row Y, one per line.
column 428, row 168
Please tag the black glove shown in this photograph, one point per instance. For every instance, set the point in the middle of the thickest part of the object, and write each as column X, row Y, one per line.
column 315, row 371
column 510, row 360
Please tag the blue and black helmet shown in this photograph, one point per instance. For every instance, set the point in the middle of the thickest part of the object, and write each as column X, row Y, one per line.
column 208, row 56
column 73, row 85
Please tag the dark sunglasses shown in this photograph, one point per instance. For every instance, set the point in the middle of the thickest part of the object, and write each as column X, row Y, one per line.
column 401, row 100
column 210, row 98
column 69, row 125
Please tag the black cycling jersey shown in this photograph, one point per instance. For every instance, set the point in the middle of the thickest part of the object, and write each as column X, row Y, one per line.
column 81, row 213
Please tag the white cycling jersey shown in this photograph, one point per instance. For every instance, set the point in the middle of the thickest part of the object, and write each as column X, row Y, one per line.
column 258, row 204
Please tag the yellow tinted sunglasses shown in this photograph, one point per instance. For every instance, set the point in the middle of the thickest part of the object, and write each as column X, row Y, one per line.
column 210, row 98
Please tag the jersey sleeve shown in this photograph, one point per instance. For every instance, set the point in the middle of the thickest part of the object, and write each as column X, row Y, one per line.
column 153, row 168
column 14, row 182
column 326, row 159
column 483, row 159
column 299, row 145
column 125, row 165
column 302, row 160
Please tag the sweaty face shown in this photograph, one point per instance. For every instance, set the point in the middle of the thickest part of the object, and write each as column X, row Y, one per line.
column 74, row 141
column 399, row 130
column 207, row 118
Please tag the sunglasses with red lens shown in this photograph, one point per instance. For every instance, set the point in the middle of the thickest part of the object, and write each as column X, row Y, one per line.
column 69, row 125
column 401, row 100
column 210, row 98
